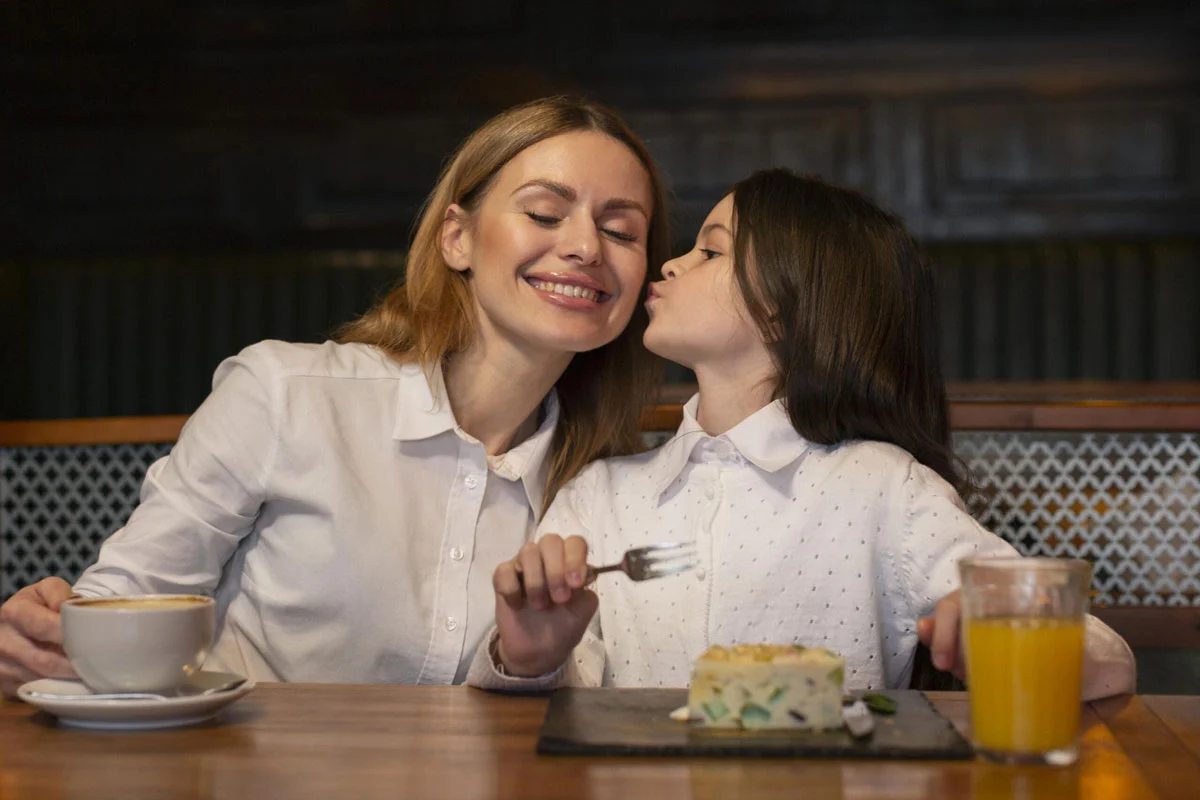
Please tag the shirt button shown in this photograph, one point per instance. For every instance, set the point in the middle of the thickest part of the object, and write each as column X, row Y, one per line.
column 451, row 623
column 471, row 481
column 700, row 574
column 456, row 553
column 710, row 492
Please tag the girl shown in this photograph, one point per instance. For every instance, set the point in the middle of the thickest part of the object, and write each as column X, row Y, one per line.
column 347, row 503
column 813, row 470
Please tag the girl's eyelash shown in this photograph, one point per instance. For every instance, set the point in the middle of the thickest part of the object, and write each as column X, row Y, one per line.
column 709, row 254
column 550, row 221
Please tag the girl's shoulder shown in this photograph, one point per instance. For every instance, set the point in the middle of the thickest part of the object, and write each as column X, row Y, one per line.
column 620, row 470
column 606, row 477
column 880, row 466
column 867, row 457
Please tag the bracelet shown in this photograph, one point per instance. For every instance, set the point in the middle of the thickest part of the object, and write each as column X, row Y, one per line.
column 494, row 655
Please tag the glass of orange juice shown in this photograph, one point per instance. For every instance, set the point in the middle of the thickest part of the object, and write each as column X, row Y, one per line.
column 1023, row 639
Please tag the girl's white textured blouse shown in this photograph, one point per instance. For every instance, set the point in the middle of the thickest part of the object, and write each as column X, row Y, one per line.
column 346, row 525
column 843, row 547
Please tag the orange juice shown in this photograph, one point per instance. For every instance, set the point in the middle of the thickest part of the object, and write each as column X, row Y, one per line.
column 1025, row 678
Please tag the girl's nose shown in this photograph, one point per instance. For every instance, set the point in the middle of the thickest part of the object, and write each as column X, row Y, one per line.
column 670, row 270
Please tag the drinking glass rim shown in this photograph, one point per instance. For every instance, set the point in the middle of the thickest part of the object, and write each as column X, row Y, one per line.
column 1038, row 563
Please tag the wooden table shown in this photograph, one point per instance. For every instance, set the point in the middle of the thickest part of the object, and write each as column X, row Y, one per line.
column 351, row 742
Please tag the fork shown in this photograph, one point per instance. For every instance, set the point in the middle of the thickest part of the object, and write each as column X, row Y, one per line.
column 651, row 561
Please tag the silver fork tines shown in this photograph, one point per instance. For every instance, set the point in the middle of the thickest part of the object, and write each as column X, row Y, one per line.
column 653, row 561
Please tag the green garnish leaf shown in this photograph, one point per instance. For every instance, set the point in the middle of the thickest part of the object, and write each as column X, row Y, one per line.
column 838, row 675
column 775, row 695
column 879, row 703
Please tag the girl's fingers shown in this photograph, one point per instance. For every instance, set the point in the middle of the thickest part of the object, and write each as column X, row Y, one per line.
column 507, row 583
column 533, row 576
column 945, row 634
column 925, row 630
column 551, row 547
column 575, row 562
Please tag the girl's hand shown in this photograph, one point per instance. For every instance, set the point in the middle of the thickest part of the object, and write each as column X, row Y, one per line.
column 542, row 609
column 942, row 634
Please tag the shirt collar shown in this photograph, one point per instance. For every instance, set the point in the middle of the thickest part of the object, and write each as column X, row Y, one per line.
column 423, row 411
column 766, row 439
column 527, row 460
column 422, row 406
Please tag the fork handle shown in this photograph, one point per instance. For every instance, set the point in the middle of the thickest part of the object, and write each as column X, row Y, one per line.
column 588, row 579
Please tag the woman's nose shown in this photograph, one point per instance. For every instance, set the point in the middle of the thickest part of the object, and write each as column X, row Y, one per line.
column 582, row 242
column 670, row 270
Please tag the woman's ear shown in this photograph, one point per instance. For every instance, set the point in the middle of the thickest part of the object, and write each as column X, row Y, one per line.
column 456, row 238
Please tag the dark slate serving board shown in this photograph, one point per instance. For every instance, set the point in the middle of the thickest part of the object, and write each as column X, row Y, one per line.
column 625, row 722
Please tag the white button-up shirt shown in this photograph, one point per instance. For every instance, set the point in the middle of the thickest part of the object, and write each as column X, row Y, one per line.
column 347, row 527
column 843, row 547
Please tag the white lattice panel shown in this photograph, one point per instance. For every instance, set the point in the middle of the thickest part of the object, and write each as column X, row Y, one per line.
column 57, row 504
column 1128, row 503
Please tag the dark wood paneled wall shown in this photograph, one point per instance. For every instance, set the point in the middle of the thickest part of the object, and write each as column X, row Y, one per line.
column 145, row 126
column 1045, row 151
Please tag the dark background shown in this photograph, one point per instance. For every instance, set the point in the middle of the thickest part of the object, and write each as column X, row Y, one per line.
column 178, row 180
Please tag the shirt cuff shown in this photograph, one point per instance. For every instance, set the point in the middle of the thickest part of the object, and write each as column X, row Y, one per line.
column 1109, row 667
column 487, row 673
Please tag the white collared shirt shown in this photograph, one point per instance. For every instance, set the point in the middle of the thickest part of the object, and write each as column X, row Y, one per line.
column 843, row 547
column 346, row 525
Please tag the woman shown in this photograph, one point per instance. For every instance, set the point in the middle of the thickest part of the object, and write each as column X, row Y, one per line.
column 346, row 503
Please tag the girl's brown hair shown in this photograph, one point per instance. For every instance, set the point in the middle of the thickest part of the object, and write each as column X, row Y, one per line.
column 429, row 315
column 846, row 301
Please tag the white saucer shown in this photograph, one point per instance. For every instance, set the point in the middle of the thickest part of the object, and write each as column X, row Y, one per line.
column 123, row 715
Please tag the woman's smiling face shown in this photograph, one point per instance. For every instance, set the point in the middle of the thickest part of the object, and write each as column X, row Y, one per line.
column 556, row 249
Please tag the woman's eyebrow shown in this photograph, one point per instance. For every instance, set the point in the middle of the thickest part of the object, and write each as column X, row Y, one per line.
column 560, row 189
column 569, row 194
column 713, row 226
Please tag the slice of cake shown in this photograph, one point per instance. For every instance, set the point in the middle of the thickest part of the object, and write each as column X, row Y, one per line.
column 767, row 686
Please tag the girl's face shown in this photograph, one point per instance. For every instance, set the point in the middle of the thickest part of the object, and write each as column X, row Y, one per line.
column 556, row 249
column 697, row 315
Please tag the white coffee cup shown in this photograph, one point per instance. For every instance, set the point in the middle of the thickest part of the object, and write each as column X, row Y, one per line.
column 138, row 643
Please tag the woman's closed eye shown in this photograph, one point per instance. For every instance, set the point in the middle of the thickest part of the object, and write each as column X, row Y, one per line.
column 550, row 222
column 543, row 220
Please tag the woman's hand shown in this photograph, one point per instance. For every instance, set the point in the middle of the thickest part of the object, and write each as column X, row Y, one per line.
column 942, row 634
column 542, row 609
column 31, row 635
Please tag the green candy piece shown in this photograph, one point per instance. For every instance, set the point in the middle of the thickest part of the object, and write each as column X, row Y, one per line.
column 715, row 710
column 753, row 712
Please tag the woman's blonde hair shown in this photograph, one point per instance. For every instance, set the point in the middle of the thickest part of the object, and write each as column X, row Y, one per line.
column 429, row 315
